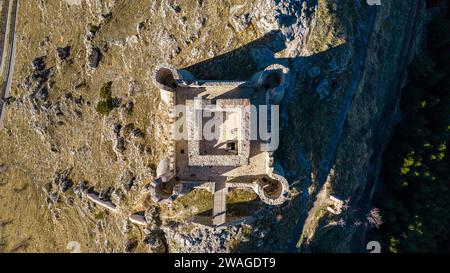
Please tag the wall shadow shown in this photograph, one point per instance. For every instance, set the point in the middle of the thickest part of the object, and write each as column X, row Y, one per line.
column 239, row 63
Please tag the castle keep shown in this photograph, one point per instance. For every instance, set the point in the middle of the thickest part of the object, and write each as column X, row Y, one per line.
column 233, row 156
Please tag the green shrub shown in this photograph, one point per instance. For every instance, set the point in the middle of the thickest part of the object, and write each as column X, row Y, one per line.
column 93, row 28
column 105, row 91
column 105, row 105
column 100, row 215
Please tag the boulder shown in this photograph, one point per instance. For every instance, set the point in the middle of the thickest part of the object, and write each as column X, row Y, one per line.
column 128, row 128
column 152, row 217
column 47, row 187
column 79, row 100
column 129, row 107
column 137, row 133
column 42, row 93
column 117, row 196
column 116, row 128
column 38, row 63
column 65, row 184
column 105, row 194
column 63, row 53
column 3, row 168
column 80, row 188
column 120, row 145
column 94, row 57
column 127, row 181
column 177, row 9
column 155, row 243
column 130, row 245
column 54, row 197
column 323, row 89
column 126, row 227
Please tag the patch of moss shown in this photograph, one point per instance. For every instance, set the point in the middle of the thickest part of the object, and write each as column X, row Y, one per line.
column 195, row 202
column 200, row 198
column 94, row 28
column 105, row 105
column 241, row 195
column 100, row 216
column 105, row 91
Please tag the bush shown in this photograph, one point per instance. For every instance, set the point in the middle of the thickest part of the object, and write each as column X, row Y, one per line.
column 105, row 91
column 93, row 28
column 105, row 105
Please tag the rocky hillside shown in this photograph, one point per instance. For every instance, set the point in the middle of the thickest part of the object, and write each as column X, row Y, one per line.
column 347, row 60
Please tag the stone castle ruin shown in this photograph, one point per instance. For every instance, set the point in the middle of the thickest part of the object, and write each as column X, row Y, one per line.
column 234, row 157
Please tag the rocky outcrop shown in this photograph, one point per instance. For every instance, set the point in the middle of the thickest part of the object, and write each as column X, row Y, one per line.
column 63, row 53
column 93, row 57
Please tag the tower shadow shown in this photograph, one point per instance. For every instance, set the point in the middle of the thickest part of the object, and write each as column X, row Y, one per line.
column 239, row 63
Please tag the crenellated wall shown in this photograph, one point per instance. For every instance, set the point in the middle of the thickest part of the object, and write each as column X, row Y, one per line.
column 271, row 186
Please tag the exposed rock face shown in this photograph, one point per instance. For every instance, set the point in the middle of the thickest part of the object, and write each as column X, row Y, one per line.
column 80, row 188
column 154, row 243
column 130, row 245
column 120, row 144
column 292, row 18
column 62, row 180
column 345, row 56
column 137, row 133
column 3, row 168
column 63, row 53
column 93, row 57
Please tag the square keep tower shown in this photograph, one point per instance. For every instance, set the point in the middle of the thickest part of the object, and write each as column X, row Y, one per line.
column 218, row 134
